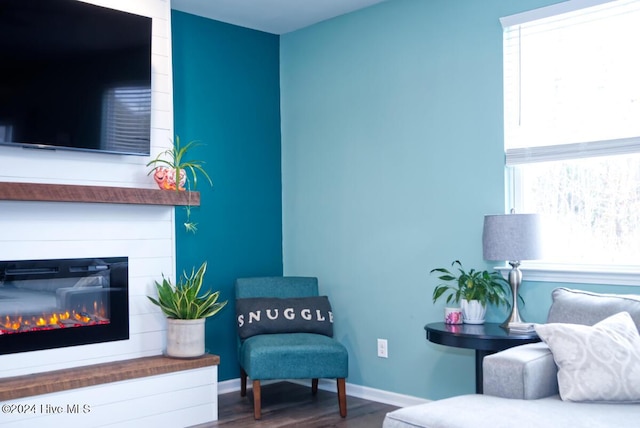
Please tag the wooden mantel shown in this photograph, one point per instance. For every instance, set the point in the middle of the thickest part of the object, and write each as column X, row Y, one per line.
column 94, row 194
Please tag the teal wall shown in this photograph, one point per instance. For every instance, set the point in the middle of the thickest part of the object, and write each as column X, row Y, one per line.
column 391, row 156
column 392, row 153
column 226, row 94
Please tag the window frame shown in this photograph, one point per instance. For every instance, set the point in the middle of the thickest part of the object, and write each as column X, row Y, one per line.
column 557, row 272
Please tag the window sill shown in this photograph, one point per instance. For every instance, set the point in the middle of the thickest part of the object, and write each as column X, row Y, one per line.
column 575, row 274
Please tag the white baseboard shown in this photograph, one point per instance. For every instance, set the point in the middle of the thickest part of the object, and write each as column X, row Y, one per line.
column 358, row 391
column 230, row 385
column 233, row 385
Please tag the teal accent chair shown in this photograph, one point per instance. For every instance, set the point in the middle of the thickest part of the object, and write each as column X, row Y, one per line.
column 289, row 355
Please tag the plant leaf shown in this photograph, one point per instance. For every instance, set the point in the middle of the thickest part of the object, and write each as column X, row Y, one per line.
column 183, row 301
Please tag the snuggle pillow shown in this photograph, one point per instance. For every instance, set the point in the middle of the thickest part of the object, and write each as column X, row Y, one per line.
column 596, row 363
column 268, row 315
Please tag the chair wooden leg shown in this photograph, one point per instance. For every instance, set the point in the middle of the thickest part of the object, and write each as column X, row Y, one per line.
column 243, row 383
column 256, row 399
column 314, row 386
column 342, row 397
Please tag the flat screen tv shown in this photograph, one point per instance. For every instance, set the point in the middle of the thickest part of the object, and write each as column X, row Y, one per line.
column 74, row 76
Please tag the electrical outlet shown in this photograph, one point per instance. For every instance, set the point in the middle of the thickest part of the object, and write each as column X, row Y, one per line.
column 383, row 350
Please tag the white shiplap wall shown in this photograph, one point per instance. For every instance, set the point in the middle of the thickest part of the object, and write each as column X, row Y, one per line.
column 170, row 400
column 36, row 230
column 145, row 234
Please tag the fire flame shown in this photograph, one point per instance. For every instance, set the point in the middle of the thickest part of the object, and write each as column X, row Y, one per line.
column 17, row 323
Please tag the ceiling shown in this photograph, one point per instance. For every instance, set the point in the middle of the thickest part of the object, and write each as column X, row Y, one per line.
column 271, row 16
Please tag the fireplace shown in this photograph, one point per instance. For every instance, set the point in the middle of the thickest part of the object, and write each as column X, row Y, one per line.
column 56, row 303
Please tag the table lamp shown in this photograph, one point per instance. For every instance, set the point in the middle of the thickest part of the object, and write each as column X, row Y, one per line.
column 512, row 237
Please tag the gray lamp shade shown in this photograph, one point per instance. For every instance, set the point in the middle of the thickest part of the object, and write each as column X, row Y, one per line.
column 512, row 237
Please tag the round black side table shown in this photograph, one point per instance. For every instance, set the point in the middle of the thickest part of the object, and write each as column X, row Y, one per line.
column 486, row 339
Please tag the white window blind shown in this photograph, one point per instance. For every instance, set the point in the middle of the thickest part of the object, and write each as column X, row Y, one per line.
column 126, row 119
column 572, row 128
column 571, row 81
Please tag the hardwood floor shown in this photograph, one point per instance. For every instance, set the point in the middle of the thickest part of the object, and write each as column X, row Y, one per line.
column 286, row 404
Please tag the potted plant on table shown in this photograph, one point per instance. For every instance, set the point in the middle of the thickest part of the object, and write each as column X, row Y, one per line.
column 186, row 310
column 173, row 171
column 472, row 289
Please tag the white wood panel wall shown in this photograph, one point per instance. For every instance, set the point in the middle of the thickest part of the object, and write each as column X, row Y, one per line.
column 156, row 401
column 145, row 234
column 35, row 230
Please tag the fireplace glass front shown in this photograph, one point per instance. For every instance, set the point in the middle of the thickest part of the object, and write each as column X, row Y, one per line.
column 62, row 302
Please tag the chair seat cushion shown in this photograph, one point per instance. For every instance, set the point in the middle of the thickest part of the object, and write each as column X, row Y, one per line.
column 293, row 356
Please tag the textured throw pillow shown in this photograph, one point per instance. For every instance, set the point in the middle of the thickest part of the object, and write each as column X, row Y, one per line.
column 596, row 363
column 268, row 315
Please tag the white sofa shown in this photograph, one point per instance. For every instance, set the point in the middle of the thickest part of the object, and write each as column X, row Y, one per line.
column 521, row 384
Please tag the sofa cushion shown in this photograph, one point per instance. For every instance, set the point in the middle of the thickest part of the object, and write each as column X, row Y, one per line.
column 485, row 411
column 583, row 307
column 271, row 315
column 596, row 363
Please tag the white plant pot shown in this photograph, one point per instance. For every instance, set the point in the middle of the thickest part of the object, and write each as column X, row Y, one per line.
column 185, row 338
column 473, row 311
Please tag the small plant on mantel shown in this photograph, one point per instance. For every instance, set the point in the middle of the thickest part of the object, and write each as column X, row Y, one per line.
column 172, row 171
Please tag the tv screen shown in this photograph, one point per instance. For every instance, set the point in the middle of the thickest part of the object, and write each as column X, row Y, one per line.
column 74, row 76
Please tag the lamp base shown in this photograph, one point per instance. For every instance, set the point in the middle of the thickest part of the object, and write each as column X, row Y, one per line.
column 515, row 279
column 513, row 319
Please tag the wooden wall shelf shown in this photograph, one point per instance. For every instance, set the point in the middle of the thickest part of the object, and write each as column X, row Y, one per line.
column 95, row 194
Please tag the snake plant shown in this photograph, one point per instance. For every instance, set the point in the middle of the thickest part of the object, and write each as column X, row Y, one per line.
column 183, row 300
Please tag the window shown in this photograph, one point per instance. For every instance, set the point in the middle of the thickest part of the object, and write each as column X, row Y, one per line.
column 572, row 127
column 126, row 117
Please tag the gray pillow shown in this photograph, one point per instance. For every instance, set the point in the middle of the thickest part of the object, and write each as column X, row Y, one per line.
column 596, row 363
column 583, row 307
column 268, row 315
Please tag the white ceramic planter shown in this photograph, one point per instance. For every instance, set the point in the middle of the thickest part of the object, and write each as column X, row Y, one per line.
column 185, row 338
column 473, row 312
